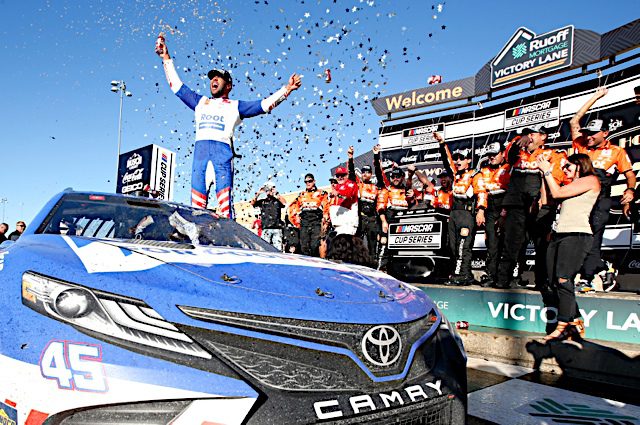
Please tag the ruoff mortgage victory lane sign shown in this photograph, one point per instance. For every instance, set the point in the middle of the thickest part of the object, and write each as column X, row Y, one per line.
column 527, row 55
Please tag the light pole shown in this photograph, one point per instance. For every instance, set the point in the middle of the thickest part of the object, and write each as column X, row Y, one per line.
column 119, row 86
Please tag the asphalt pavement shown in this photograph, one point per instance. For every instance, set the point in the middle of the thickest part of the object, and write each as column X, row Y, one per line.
column 505, row 394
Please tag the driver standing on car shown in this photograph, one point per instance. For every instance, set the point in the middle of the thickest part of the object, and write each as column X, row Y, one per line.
column 216, row 119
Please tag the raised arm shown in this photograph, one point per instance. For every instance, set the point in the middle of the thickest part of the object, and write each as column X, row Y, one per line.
column 188, row 96
column 381, row 179
column 574, row 124
column 428, row 185
column 252, row 108
column 445, row 153
column 351, row 165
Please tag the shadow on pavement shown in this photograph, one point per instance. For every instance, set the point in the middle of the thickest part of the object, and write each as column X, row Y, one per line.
column 589, row 361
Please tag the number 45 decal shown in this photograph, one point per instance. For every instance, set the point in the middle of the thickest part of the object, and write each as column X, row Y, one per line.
column 76, row 366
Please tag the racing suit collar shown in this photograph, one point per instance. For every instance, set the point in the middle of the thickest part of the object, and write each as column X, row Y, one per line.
column 313, row 189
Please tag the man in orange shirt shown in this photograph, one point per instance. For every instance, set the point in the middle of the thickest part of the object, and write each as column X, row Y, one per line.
column 311, row 204
column 461, row 219
column 609, row 161
column 528, row 212
column 490, row 185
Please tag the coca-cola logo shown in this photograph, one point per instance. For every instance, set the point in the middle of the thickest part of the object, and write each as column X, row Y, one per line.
column 133, row 176
column 634, row 264
column 411, row 158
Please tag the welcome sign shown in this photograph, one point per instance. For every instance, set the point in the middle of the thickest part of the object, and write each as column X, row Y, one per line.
column 527, row 55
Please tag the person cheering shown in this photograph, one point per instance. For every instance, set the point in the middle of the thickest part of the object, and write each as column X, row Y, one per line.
column 216, row 119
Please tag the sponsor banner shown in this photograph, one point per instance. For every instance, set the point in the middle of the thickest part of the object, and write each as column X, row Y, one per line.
column 527, row 55
column 134, row 170
column 545, row 113
column 163, row 169
column 605, row 318
column 151, row 165
column 426, row 96
column 422, row 137
column 415, row 235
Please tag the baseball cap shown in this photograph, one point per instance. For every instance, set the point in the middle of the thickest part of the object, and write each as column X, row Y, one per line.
column 595, row 126
column 341, row 171
column 494, row 148
column 366, row 169
column 309, row 176
column 221, row 73
column 397, row 172
column 463, row 153
column 534, row 129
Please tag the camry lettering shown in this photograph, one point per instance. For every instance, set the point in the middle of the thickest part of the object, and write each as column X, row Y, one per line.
column 331, row 409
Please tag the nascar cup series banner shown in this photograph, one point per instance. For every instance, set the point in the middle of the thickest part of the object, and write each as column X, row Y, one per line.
column 151, row 165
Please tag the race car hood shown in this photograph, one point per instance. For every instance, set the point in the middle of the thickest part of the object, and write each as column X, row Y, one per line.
column 263, row 283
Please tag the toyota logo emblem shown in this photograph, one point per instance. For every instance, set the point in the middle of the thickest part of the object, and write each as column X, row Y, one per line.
column 381, row 345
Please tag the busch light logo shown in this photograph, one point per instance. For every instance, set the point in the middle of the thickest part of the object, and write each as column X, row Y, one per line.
column 134, row 161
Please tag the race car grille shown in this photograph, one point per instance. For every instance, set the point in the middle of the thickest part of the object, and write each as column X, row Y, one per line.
column 282, row 373
column 347, row 336
column 436, row 411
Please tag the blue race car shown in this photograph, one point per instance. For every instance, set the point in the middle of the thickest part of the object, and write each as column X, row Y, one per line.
column 123, row 310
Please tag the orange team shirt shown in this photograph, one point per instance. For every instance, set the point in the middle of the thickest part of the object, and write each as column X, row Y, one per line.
column 607, row 157
column 442, row 199
column 368, row 197
column 491, row 181
column 462, row 183
column 528, row 161
column 311, row 204
column 392, row 198
column 293, row 211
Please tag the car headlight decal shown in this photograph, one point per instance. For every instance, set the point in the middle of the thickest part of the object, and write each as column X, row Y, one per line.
column 104, row 313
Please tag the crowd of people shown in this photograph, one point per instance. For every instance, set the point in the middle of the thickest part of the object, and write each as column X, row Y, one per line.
column 13, row 236
column 524, row 191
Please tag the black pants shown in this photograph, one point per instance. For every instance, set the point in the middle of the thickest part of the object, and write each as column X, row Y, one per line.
column 520, row 226
column 461, row 229
column 494, row 237
column 310, row 239
column 368, row 230
column 565, row 255
column 599, row 218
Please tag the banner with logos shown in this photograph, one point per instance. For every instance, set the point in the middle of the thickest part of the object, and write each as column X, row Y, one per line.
column 527, row 55
column 608, row 318
column 151, row 165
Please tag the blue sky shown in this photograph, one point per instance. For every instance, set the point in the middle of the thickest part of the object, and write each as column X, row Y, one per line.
column 59, row 119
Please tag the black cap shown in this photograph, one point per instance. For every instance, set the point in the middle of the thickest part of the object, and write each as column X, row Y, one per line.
column 366, row 169
column 309, row 176
column 534, row 129
column 333, row 180
column 462, row 153
column 444, row 174
column 397, row 172
column 221, row 73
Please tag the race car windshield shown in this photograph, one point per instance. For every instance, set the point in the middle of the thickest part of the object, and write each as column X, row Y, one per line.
column 142, row 219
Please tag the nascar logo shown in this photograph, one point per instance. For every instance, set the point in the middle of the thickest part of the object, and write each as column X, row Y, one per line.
column 416, row 228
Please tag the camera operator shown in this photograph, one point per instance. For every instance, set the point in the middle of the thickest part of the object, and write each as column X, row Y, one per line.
column 271, row 204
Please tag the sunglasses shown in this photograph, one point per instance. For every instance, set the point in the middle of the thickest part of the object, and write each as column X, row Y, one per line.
column 567, row 166
column 309, row 181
